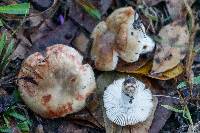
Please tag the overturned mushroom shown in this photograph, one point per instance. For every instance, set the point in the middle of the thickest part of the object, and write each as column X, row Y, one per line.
column 121, row 35
column 58, row 81
column 128, row 102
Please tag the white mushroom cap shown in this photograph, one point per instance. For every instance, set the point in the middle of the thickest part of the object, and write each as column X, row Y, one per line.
column 132, row 40
column 123, row 35
column 127, row 102
column 61, row 83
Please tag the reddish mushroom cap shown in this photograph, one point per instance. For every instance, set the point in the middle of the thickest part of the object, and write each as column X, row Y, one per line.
column 61, row 83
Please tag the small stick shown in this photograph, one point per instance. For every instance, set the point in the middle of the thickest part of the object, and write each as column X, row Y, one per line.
column 190, row 55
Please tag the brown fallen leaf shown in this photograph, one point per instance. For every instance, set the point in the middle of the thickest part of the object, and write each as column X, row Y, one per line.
column 81, row 43
column 91, row 116
column 32, row 21
column 146, row 71
column 19, row 52
column 62, row 34
column 105, row 4
column 176, row 8
column 39, row 129
column 123, row 66
column 172, row 47
column 80, row 17
column 71, row 128
column 161, row 114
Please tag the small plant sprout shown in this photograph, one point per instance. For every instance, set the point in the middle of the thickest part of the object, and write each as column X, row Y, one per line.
column 60, row 82
column 184, row 110
column 128, row 101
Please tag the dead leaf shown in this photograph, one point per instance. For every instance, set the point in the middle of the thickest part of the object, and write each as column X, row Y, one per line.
column 146, row 71
column 81, row 43
column 89, row 117
column 176, row 8
column 44, row 28
column 105, row 5
column 41, row 5
column 81, row 17
column 161, row 114
column 62, row 34
column 71, row 128
column 123, row 66
column 32, row 21
column 39, row 129
column 19, row 52
column 172, row 48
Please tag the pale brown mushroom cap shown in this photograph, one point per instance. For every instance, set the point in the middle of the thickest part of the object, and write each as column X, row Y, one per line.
column 61, row 83
column 131, row 42
column 103, row 52
column 118, row 17
column 118, row 37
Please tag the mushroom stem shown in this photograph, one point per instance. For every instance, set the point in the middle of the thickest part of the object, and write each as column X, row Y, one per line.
column 128, row 90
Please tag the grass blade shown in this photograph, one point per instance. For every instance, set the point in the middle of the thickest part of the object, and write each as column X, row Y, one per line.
column 24, row 126
column 7, row 54
column 16, row 115
column 5, row 129
column 15, row 9
column 6, row 121
column 195, row 81
column 172, row 108
column 2, row 43
column 1, row 23
column 89, row 8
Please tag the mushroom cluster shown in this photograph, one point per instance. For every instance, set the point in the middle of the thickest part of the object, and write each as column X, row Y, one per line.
column 128, row 101
column 56, row 83
column 121, row 35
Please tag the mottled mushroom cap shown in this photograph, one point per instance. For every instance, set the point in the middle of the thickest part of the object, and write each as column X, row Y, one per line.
column 60, row 82
column 103, row 52
column 121, row 35
column 127, row 105
column 132, row 40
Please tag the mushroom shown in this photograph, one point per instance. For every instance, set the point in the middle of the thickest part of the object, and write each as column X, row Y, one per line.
column 121, row 35
column 56, row 83
column 103, row 52
column 128, row 101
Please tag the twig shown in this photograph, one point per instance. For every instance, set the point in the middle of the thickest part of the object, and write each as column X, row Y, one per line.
column 167, row 96
column 190, row 55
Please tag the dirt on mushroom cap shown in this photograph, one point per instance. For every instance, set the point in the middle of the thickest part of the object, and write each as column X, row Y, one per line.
column 61, row 83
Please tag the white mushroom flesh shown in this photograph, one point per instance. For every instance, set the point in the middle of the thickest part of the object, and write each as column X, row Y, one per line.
column 129, row 39
column 127, row 107
column 138, row 42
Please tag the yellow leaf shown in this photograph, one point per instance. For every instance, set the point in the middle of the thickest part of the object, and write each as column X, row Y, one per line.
column 146, row 70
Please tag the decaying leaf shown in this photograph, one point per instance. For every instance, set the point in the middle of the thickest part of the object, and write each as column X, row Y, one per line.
column 172, row 48
column 161, row 114
column 91, row 116
column 176, row 8
column 81, row 43
column 33, row 21
column 105, row 4
column 123, row 66
column 81, row 17
column 62, row 34
column 146, row 70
